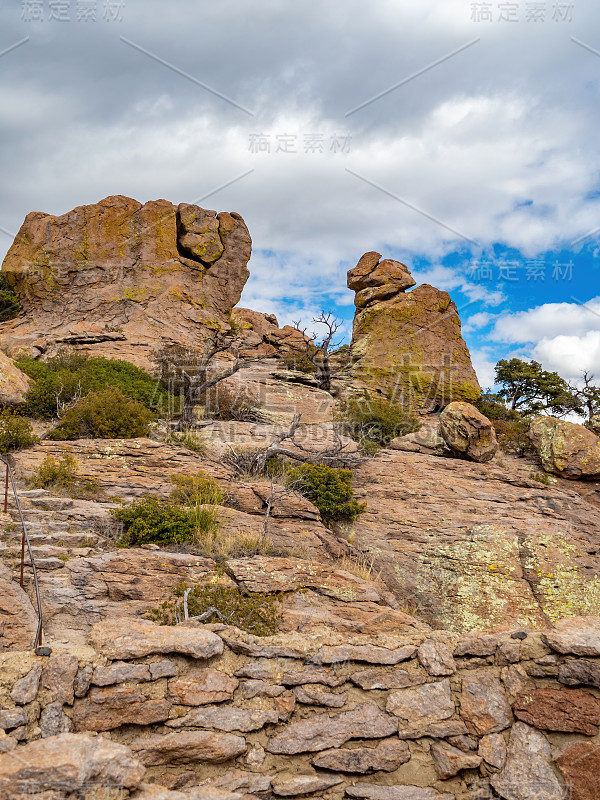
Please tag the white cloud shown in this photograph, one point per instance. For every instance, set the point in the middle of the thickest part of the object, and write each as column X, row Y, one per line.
column 548, row 321
column 570, row 356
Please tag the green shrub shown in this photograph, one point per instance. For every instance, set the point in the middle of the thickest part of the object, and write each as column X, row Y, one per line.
column 187, row 439
column 62, row 475
column 151, row 520
column 492, row 406
column 16, row 432
column 108, row 414
column 200, row 489
column 9, row 302
column 512, row 436
column 542, row 477
column 376, row 421
column 257, row 614
column 190, row 514
column 68, row 375
column 330, row 490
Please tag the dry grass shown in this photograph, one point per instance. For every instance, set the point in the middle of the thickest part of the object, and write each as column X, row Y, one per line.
column 361, row 567
column 222, row 544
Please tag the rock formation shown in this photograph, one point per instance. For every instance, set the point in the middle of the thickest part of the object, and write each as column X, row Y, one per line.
column 565, row 448
column 407, row 344
column 468, row 433
column 123, row 277
column 13, row 382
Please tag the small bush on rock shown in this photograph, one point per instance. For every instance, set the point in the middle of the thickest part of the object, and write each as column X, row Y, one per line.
column 151, row 520
column 108, row 414
column 16, row 432
column 9, row 302
column 257, row 614
column 375, row 421
column 61, row 475
column 512, row 436
column 194, row 490
column 329, row 488
column 190, row 514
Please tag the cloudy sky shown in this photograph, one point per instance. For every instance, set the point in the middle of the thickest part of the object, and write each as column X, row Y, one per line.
column 458, row 137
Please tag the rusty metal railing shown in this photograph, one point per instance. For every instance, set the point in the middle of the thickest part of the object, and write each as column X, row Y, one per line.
column 10, row 479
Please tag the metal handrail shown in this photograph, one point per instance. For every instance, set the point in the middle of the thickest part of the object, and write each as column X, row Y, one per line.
column 24, row 541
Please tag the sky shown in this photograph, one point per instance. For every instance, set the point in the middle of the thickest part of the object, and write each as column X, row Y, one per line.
column 458, row 137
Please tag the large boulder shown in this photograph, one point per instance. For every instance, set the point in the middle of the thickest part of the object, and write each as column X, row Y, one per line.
column 408, row 344
column 13, row 382
column 468, row 433
column 66, row 765
column 18, row 620
column 120, row 277
column 564, row 448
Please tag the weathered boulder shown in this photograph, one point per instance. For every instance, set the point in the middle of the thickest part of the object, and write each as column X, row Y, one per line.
column 468, row 433
column 386, row 756
column 119, row 277
column 304, row 784
column 567, row 710
column 577, row 635
column 321, row 732
column 580, row 766
column 565, row 448
column 449, row 761
column 18, row 620
column 528, row 766
column 141, row 638
column 13, row 382
column 410, row 343
column 483, row 705
column 188, row 747
column 66, row 764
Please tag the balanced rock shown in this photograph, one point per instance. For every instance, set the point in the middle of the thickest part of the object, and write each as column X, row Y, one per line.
column 468, row 433
column 564, row 448
column 407, row 343
column 121, row 277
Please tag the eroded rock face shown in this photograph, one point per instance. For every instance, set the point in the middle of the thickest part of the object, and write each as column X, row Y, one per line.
column 13, row 382
column 580, row 766
column 321, row 732
column 66, row 764
column 188, row 747
column 468, row 433
column 141, row 638
column 407, row 343
column 119, row 276
column 528, row 767
column 18, row 621
column 567, row 449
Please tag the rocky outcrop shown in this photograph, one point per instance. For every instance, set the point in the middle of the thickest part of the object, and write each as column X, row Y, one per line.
column 294, row 715
column 18, row 621
column 468, row 433
column 407, row 344
column 119, row 278
column 13, row 383
column 567, row 449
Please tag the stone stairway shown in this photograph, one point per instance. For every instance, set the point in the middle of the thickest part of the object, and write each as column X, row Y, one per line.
column 59, row 528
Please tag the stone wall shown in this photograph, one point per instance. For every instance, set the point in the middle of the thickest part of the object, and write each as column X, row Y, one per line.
column 422, row 716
